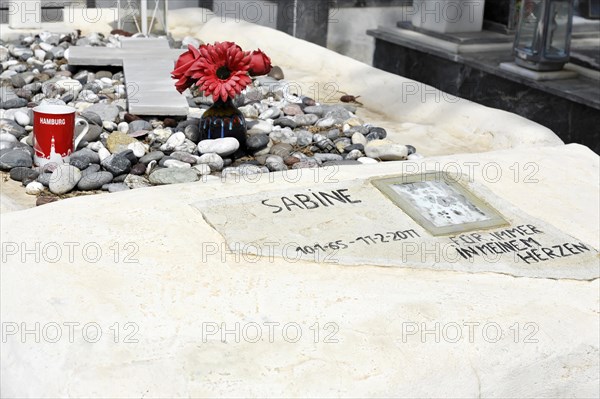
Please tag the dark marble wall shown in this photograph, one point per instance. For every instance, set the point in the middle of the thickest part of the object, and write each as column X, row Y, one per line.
column 502, row 12
column 571, row 121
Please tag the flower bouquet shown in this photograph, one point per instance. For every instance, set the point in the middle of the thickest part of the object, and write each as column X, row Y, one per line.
column 221, row 70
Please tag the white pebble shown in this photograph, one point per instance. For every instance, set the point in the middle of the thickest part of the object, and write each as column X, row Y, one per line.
column 138, row 149
column 173, row 163
column 174, row 140
column 95, row 146
column 34, row 188
column 359, row 138
column 386, row 150
column 89, row 96
column 162, row 134
column 22, row 118
column 367, row 160
column 223, row 147
column 109, row 126
column 214, row 161
column 106, row 82
column 70, row 86
column 46, row 46
column 261, row 127
column 40, row 54
column 123, row 127
column 103, row 153
column 415, row 156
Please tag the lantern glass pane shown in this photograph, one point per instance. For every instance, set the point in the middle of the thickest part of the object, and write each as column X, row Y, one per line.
column 148, row 17
column 531, row 29
column 557, row 40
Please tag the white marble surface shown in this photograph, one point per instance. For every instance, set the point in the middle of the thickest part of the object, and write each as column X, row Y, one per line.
column 176, row 298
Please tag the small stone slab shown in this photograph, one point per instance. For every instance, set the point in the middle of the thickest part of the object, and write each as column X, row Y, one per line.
column 147, row 66
column 538, row 75
column 355, row 223
column 102, row 56
column 144, row 42
column 151, row 91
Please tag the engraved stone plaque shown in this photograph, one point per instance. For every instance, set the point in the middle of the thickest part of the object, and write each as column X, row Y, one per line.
column 424, row 221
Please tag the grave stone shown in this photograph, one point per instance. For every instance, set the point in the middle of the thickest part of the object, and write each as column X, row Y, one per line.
column 401, row 221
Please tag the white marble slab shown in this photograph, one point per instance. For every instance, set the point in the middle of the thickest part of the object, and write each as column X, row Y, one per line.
column 101, row 56
column 186, row 308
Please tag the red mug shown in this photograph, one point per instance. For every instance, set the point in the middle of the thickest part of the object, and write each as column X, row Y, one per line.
column 54, row 133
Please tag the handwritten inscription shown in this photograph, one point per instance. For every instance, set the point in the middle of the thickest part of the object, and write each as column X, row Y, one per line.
column 523, row 241
column 310, row 200
column 373, row 239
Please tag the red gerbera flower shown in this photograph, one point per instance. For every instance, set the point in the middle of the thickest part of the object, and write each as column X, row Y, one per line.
column 222, row 70
column 182, row 67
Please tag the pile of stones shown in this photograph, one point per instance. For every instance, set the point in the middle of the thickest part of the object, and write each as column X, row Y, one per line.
column 121, row 151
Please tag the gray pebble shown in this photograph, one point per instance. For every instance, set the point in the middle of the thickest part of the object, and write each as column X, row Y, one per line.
column 153, row 156
column 12, row 158
column 12, row 127
column 116, row 187
column 120, row 178
column 257, row 142
column 184, row 157
column 285, row 122
column 139, row 124
column 376, row 133
column 92, row 168
column 14, row 103
column 116, row 164
column 315, row 109
column 94, row 181
column 275, row 163
column 64, row 179
column 214, row 161
column 44, row 178
column 341, row 163
column 283, row 150
column 130, row 156
column 21, row 173
column 306, row 163
column 92, row 117
column 192, row 133
column 327, row 157
column 174, row 176
column 138, row 169
column 304, row 138
column 353, row 147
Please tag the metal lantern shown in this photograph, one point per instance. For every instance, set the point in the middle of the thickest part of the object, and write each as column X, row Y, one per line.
column 146, row 17
column 544, row 35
